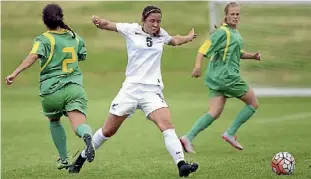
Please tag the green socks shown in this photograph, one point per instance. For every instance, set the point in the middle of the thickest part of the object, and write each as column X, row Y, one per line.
column 59, row 138
column 206, row 120
column 242, row 117
column 200, row 125
column 83, row 129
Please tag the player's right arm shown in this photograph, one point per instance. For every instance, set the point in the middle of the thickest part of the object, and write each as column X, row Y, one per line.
column 207, row 49
column 38, row 51
column 28, row 62
column 104, row 24
column 213, row 43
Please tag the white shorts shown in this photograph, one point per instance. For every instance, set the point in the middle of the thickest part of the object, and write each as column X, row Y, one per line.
column 148, row 98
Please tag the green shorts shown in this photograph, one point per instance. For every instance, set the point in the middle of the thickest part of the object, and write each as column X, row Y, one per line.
column 236, row 90
column 69, row 98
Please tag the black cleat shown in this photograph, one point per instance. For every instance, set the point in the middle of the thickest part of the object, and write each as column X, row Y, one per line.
column 77, row 165
column 186, row 168
column 89, row 150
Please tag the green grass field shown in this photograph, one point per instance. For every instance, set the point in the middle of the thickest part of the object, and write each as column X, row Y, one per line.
column 138, row 150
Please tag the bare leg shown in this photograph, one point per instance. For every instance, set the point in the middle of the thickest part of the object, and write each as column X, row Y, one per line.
column 78, row 123
column 215, row 109
column 162, row 118
column 249, row 98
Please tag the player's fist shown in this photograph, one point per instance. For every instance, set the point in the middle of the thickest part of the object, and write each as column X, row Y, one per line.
column 96, row 20
column 196, row 72
column 9, row 79
column 257, row 56
column 192, row 35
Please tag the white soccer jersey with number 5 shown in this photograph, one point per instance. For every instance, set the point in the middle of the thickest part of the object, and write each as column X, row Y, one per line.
column 144, row 54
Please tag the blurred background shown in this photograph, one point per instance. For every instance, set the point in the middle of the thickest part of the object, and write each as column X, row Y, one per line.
column 281, row 32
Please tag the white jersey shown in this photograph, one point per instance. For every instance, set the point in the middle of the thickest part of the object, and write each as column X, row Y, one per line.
column 144, row 54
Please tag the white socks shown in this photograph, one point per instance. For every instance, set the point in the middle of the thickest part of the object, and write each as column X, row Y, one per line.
column 173, row 145
column 171, row 140
column 98, row 139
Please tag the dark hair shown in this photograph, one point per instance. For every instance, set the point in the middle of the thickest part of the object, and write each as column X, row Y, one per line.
column 52, row 16
column 148, row 10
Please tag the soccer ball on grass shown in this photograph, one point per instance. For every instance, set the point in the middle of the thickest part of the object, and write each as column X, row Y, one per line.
column 283, row 163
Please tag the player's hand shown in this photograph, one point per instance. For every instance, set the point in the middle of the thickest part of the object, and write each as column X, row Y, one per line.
column 196, row 72
column 10, row 79
column 257, row 56
column 96, row 20
column 192, row 35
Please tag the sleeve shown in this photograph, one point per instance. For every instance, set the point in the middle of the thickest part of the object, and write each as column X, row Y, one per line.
column 82, row 52
column 213, row 44
column 166, row 37
column 40, row 47
column 242, row 52
column 124, row 28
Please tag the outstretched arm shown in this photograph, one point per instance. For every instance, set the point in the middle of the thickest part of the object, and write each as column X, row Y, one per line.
column 28, row 62
column 179, row 40
column 254, row 56
column 104, row 24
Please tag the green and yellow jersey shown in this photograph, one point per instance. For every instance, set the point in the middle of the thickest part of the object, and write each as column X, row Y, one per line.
column 225, row 49
column 59, row 55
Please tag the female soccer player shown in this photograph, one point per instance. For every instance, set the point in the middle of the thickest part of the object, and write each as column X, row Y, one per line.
column 142, row 88
column 61, row 91
column 223, row 78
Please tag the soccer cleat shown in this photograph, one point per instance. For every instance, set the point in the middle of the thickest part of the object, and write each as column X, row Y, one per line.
column 77, row 165
column 187, row 144
column 186, row 168
column 232, row 140
column 89, row 150
column 63, row 164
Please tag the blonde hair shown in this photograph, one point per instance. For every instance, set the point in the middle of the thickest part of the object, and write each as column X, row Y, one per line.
column 226, row 10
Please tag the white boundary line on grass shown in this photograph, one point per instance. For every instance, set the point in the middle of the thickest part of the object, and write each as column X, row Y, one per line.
column 283, row 92
column 283, row 118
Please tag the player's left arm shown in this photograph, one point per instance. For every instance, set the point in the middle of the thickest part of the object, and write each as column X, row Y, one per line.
column 254, row 56
column 179, row 39
column 82, row 52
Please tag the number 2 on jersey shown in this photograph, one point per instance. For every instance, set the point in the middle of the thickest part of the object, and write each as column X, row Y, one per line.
column 69, row 60
column 149, row 41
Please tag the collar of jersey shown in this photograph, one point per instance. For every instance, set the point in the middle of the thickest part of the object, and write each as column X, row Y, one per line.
column 60, row 31
column 225, row 24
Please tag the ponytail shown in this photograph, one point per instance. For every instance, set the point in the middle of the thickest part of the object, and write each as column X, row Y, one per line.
column 65, row 26
column 222, row 22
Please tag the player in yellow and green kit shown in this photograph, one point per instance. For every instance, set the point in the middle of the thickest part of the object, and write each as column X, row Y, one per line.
column 223, row 78
column 61, row 81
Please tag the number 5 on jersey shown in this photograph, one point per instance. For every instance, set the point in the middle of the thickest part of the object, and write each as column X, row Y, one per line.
column 69, row 60
column 149, row 42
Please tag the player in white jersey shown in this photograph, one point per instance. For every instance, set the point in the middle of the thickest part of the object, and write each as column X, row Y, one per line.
column 142, row 88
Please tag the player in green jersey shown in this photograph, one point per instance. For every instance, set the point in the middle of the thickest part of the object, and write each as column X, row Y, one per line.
column 223, row 78
column 61, row 81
